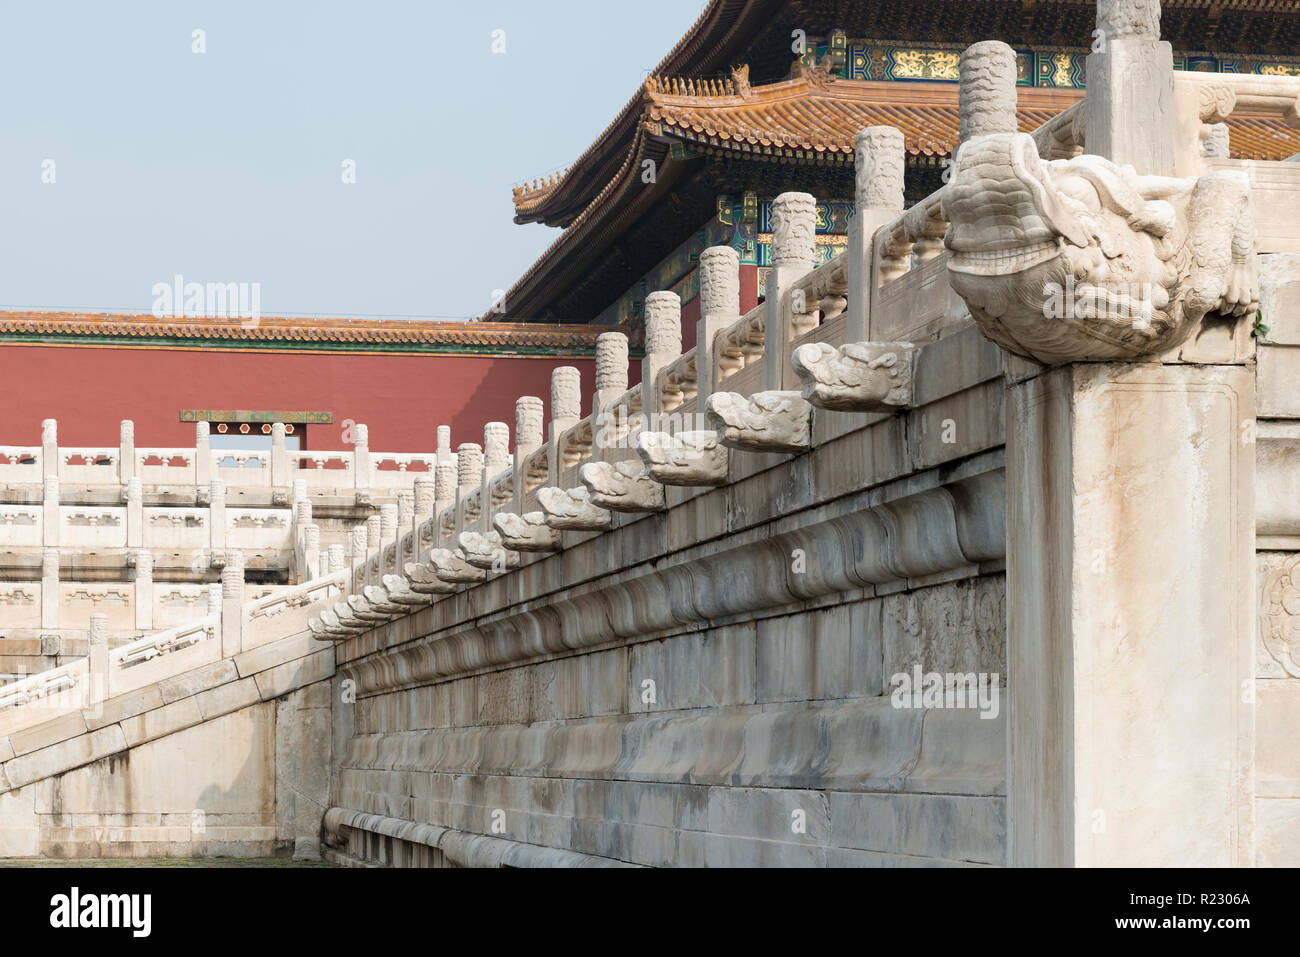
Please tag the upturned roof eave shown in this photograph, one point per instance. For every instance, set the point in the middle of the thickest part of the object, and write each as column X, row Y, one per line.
column 705, row 48
column 606, row 218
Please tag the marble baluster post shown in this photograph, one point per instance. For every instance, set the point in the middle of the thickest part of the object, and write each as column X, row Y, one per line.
column 310, row 551
column 425, row 501
column 337, row 559
column 143, row 575
column 879, row 161
column 126, row 452
column 232, row 603
column 445, row 483
column 469, row 478
column 359, row 548
column 280, row 474
column 566, row 412
column 51, row 514
column 97, row 690
column 1130, row 103
column 388, row 538
column 405, row 535
column 50, row 588
column 361, row 456
column 719, row 308
column 202, row 455
column 496, row 459
column 529, row 437
column 611, row 382
column 134, row 514
column 794, row 230
column 217, row 516
column 50, row 448
column 663, row 346
column 374, row 549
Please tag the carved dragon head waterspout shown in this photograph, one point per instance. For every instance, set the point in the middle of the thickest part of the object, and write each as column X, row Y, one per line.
column 1082, row 259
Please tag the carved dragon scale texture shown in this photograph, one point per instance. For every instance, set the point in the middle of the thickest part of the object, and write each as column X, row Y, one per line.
column 1082, row 259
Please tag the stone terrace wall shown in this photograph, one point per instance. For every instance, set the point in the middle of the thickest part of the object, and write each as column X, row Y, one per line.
column 513, row 722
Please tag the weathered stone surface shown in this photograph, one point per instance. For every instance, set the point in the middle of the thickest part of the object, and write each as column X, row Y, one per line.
column 50, row 732
column 1088, row 444
column 526, row 533
column 922, row 825
column 687, row 458
column 1279, row 382
column 227, row 698
column 291, row 675
column 1279, row 825
column 276, row 653
column 832, row 653
column 64, row 756
column 1277, row 762
column 1036, row 286
column 762, row 422
column 195, row 770
column 19, row 823
column 487, row 551
column 124, row 706
column 302, row 736
column 622, row 486
column 956, row 628
column 200, row 679
column 714, row 669
column 572, row 510
column 163, row 721
column 451, row 567
column 860, row 377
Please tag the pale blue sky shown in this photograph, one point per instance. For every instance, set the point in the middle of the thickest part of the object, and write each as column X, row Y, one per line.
column 226, row 166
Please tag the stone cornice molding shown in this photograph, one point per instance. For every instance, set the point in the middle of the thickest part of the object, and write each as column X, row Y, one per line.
column 950, row 527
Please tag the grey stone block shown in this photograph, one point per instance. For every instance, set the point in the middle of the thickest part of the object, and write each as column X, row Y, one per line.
column 306, row 849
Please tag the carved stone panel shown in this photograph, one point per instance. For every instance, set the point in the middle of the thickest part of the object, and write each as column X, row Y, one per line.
column 1279, row 615
column 955, row 628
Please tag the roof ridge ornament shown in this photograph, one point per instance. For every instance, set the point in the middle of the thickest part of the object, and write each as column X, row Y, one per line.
column 699, row 87
column 740, row 81
column 538, row 185
column 821, row 74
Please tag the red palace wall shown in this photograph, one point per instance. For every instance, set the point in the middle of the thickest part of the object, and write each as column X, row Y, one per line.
column 402, row 398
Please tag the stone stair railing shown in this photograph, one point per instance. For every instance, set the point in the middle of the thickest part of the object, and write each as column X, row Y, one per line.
column 279, row 467
column 231, row 626
column 73, row 516
column 1203, row 102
